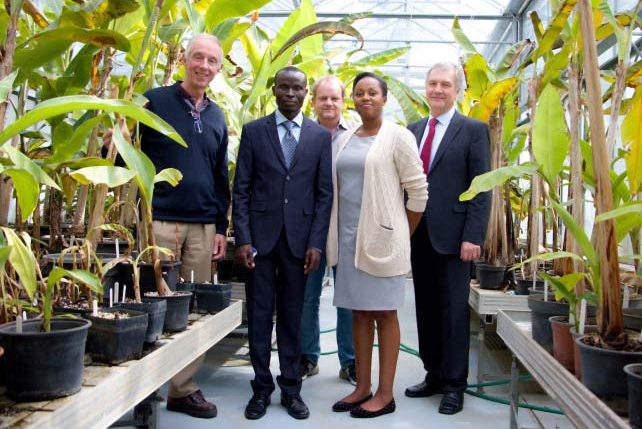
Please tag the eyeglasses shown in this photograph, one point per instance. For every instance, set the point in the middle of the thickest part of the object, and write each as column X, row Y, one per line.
column 198, row 125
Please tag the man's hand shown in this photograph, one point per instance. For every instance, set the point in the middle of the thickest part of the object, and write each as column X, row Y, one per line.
column 312, row 260
column 469, row 251
column 246, row 255
column 220, row 244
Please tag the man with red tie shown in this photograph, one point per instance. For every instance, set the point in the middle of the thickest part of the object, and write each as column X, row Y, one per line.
column 454, row 149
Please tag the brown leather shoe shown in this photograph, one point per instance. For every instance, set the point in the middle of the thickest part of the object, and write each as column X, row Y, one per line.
column 194, row 405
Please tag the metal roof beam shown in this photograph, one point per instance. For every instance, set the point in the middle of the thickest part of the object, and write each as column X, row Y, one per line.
column 398, row 15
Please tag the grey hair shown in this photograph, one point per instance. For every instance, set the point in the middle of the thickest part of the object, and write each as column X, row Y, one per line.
column 329, row 78
column 460, row 80
column 206, row 36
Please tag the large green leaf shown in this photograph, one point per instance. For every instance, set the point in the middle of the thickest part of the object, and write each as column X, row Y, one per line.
column 632, row 208
column 78, row 73
column 512, row 56
column 536, row 23
column 22, row 260
column 326, row 27
column 556, row 65
column 66, row 150
column 551, row 141
column 22, row 162
column 382, row 57
column 108, row 175
column 631, row 132
column 6, row 84
column 169, row 175
column 460, row 37
column 487, row 181
column 400, row 92
column 229, row 31
column 478, row 76
column 139, row 163
column 312, row 46
column 220, row 10
column 61, row 105
column 27, row 190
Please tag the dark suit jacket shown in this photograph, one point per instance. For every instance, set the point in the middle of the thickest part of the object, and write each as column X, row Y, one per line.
column 463, row 153
column 268, row 196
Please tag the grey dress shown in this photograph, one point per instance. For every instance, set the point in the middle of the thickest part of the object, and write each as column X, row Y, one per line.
column 356, row 289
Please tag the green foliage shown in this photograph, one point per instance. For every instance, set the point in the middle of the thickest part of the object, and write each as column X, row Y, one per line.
column 487, row 181
column 22, row 260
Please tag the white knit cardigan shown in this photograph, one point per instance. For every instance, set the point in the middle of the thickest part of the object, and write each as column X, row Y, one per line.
column 392, row 166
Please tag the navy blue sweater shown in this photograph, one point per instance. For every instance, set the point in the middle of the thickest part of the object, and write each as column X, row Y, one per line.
column 203, row 195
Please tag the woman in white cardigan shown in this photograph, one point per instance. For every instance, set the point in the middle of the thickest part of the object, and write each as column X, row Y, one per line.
column 369, row 238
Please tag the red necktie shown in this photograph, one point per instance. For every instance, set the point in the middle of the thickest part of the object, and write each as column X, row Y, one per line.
column 425, row 152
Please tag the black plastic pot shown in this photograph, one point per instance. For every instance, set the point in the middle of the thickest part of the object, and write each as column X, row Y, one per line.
column 634, row 379
column 490, row 276
column 541, row 311
column 155, row 310
column 188, row 287
column 44, row 365
column 632, row 318
column 602, row 374
column 523, row 286
column 170, row 270
column 211, row 298
column 177, row 310
column 114, row 341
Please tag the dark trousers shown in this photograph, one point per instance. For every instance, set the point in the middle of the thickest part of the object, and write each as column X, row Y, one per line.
column 277, row 278
column 443, row 319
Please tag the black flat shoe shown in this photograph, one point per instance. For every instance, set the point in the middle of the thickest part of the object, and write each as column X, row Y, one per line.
column 451, row 403
column 423, row 390
column 257, row 406
column 343, row 406
column 359, row 412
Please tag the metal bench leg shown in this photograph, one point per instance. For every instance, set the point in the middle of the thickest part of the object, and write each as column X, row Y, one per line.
column 514, row 394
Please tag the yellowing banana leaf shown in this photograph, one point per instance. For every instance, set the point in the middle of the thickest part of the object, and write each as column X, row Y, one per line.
column 220, row 10
column 169, row 175
column 460, row 37
column 634, row 74
column 551, row 140
column 23, row 162
column 22, row 260
column 538, row 27
column 478, row 76
column 555, row 26
column 492, row 97
column 37, row 16
column 631, row 133
column 27, row 190
column 61, row 105
column 111, row 176
column 487, row 181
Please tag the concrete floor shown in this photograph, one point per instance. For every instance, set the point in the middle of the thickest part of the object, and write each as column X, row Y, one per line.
column 225, row 380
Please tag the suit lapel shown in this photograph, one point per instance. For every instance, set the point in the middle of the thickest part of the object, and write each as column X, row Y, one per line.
column 273, row 136
column 451, row 132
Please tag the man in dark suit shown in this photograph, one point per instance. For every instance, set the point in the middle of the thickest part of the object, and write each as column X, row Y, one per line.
column 454, row 149
column 282, row 201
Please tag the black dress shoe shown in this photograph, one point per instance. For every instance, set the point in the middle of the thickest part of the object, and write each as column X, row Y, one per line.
column 343, row 406
column 257, row 406
column 451, row 403
column 295, row 405
column 359, row 412
column 423, row 390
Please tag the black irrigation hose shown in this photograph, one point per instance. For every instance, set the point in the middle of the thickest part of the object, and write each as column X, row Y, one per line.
column 406, row 349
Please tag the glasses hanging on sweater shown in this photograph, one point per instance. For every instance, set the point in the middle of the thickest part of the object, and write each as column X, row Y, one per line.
column 198, row 125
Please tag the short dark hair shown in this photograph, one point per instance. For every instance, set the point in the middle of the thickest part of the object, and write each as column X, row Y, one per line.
column 382, row 83
column 290, row 69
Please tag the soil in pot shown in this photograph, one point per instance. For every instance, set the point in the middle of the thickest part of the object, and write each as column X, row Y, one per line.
column 563, row 350
column 490, row 276
column 117, row 335
column 44, row 365
column 63, row 305
column 602, row 370
column 155, row 310
column 211, row 298
column 177, row 312
column 634, row 380
column 541, row 311
column 170, row 271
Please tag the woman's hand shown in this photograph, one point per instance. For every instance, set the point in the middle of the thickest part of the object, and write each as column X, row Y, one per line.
column 413, row 220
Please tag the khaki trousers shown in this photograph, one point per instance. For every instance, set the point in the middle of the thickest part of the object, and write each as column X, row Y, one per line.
column 192, row 244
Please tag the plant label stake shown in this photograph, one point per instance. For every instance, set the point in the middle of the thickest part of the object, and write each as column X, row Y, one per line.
column 111, row 298
column 116, row 290
column 117, row 249
column 191, row 277
column 24, row 315
column 215, row 279
column 124, row 293
column 19, row 324
column 94, row 308
column 582, row 317
column 626, row 297
column 545, row 290
column 534, row 281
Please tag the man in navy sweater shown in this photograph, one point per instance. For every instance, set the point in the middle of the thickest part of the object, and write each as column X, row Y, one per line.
column 191, row 219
